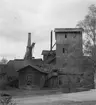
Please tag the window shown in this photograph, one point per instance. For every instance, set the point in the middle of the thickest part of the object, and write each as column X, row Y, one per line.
column 65, row 35
column 63, row 50
column 29, row 79
column 60, row 82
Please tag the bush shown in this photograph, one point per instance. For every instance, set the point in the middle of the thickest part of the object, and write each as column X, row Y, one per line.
column 6, row 99
column 3, row 84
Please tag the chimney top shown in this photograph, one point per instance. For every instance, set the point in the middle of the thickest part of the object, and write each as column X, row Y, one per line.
column 29, row 39
column 29, row 33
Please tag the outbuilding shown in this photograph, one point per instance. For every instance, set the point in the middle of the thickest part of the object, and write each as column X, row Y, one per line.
column 31, row 76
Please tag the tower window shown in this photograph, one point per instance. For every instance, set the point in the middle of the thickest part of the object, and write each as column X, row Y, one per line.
column 65, row 35
column 63, row 50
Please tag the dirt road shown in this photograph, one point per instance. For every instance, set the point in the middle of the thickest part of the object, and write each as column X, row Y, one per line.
column 60, row 99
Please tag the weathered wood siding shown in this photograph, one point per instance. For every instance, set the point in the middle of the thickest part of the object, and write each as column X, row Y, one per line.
column 53, row 82
column 37, row 77
column 67, row 46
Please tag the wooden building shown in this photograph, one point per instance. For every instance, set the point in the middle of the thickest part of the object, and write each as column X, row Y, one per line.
column 60, row 68
column 66, row 55
column 17, row 64
column 31, row 76
column 13, row 65
column 68, row 45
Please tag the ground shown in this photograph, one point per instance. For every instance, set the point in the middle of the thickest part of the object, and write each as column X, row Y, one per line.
column 53, row 97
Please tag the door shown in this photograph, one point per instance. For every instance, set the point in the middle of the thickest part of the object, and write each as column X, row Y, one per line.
column 30, row 79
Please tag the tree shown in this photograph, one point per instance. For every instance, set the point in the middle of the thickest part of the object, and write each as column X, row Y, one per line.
column 89, row 26
column 93, row 57
column 3, row 61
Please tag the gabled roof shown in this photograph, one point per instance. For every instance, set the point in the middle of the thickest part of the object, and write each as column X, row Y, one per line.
column 68, row 29
column 33, row 66
column 14, row 65
column 21, row 63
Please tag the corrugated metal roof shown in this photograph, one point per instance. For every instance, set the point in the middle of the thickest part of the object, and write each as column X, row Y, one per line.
column 68, row 29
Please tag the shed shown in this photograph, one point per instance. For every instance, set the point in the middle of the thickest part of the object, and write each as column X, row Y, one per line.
column 31, row 76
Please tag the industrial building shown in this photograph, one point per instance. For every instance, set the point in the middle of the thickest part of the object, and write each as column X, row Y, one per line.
column 60, row 68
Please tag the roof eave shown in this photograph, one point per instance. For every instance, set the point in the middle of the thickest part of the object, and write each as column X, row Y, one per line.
column 32, row 67
column 68, row 30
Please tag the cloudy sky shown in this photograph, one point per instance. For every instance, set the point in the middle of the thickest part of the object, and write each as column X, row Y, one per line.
column 18, row 17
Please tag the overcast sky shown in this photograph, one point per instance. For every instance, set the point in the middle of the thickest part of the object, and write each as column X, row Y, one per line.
column 18, row 17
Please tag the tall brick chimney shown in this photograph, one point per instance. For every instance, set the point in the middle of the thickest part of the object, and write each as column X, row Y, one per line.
column 29, row 40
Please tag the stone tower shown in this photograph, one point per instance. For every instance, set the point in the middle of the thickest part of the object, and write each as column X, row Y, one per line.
column 68, row 46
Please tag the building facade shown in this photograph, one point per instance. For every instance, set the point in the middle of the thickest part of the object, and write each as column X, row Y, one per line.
column 31, row 76
column 68, row 43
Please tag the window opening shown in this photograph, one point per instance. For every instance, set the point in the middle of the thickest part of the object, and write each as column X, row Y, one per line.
column 63, row 50
column 29, row 79
column 65, row 35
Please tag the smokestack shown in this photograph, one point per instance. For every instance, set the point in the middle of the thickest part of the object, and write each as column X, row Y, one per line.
column 29, row 40
column 51, row 41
